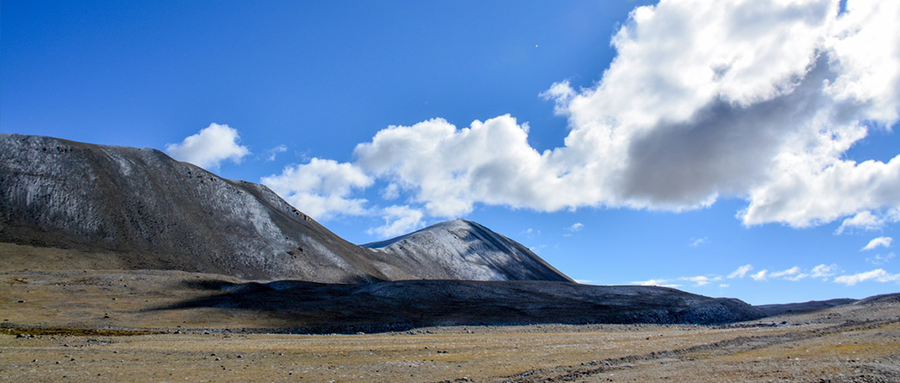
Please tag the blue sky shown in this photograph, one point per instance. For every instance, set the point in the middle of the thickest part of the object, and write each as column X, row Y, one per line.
column 671, row 144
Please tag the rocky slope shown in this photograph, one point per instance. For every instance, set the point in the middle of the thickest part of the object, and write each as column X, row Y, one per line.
column 158, row 213
column 141, row 209
column 465, row 250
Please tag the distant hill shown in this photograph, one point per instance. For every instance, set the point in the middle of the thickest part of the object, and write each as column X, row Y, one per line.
column 144, row 210
column 802, row 307
column 465, row 250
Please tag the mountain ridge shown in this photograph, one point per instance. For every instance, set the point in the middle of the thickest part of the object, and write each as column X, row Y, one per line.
column 159, row 213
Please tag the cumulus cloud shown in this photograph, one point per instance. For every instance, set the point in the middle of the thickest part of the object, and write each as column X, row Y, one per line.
column 321, row 188
column 740, row 272
column 878, row 242
column 705, row 99
column 877, row 275
column 398, row 220
column 209, row 147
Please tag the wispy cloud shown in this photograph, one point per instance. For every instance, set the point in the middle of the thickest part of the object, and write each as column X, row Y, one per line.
column 823, row 271
column 701, row 280
column 699, row 241
column 656, row 282
column 879, row 259
column 786, row 273
column 576, row 227
column 877, row 275
column 740, row 272
column 760, row 276
column 531, row 233
column 878, row 242
column 272, row 153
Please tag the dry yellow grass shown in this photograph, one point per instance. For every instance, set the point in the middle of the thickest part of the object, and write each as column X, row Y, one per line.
column 71, row 326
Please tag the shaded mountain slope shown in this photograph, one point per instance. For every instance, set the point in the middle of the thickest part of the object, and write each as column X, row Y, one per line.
column 802, row 307
column 466, row 250
column 386, row 306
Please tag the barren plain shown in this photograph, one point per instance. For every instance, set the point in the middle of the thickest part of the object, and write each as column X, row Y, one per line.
column 113, row 325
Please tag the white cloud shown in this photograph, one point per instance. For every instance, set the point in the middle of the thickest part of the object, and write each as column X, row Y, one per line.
column 724, row 285
column 879, row 259
column 757, row 100
column 701, row 280
column 699, row 241
column 275, row 151
column 740, row 272
column 392, row 191
column 398, row 220
column 209, row 147
column 878, row 242
column 577, row 226
column 863, row 220
column 656, row 282
column 878, row 275
column 760, row 276
column 789, row 272
column 561, row 93
column 531, row 233
column 321, row 188
column 823, row 271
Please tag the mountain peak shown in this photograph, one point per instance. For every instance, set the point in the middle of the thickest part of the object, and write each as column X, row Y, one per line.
column 467, row 250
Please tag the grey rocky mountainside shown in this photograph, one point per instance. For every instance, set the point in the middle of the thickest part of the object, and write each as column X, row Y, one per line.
column 461, row 249
column 157, row 213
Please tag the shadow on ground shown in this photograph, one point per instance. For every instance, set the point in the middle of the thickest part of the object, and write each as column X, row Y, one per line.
column 309, row 307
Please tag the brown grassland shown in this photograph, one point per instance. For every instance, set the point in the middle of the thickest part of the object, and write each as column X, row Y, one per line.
column 108, row 325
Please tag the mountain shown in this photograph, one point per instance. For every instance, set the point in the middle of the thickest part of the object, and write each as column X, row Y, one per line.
column 76, row 216
column 140, row 209
column 465, row 250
